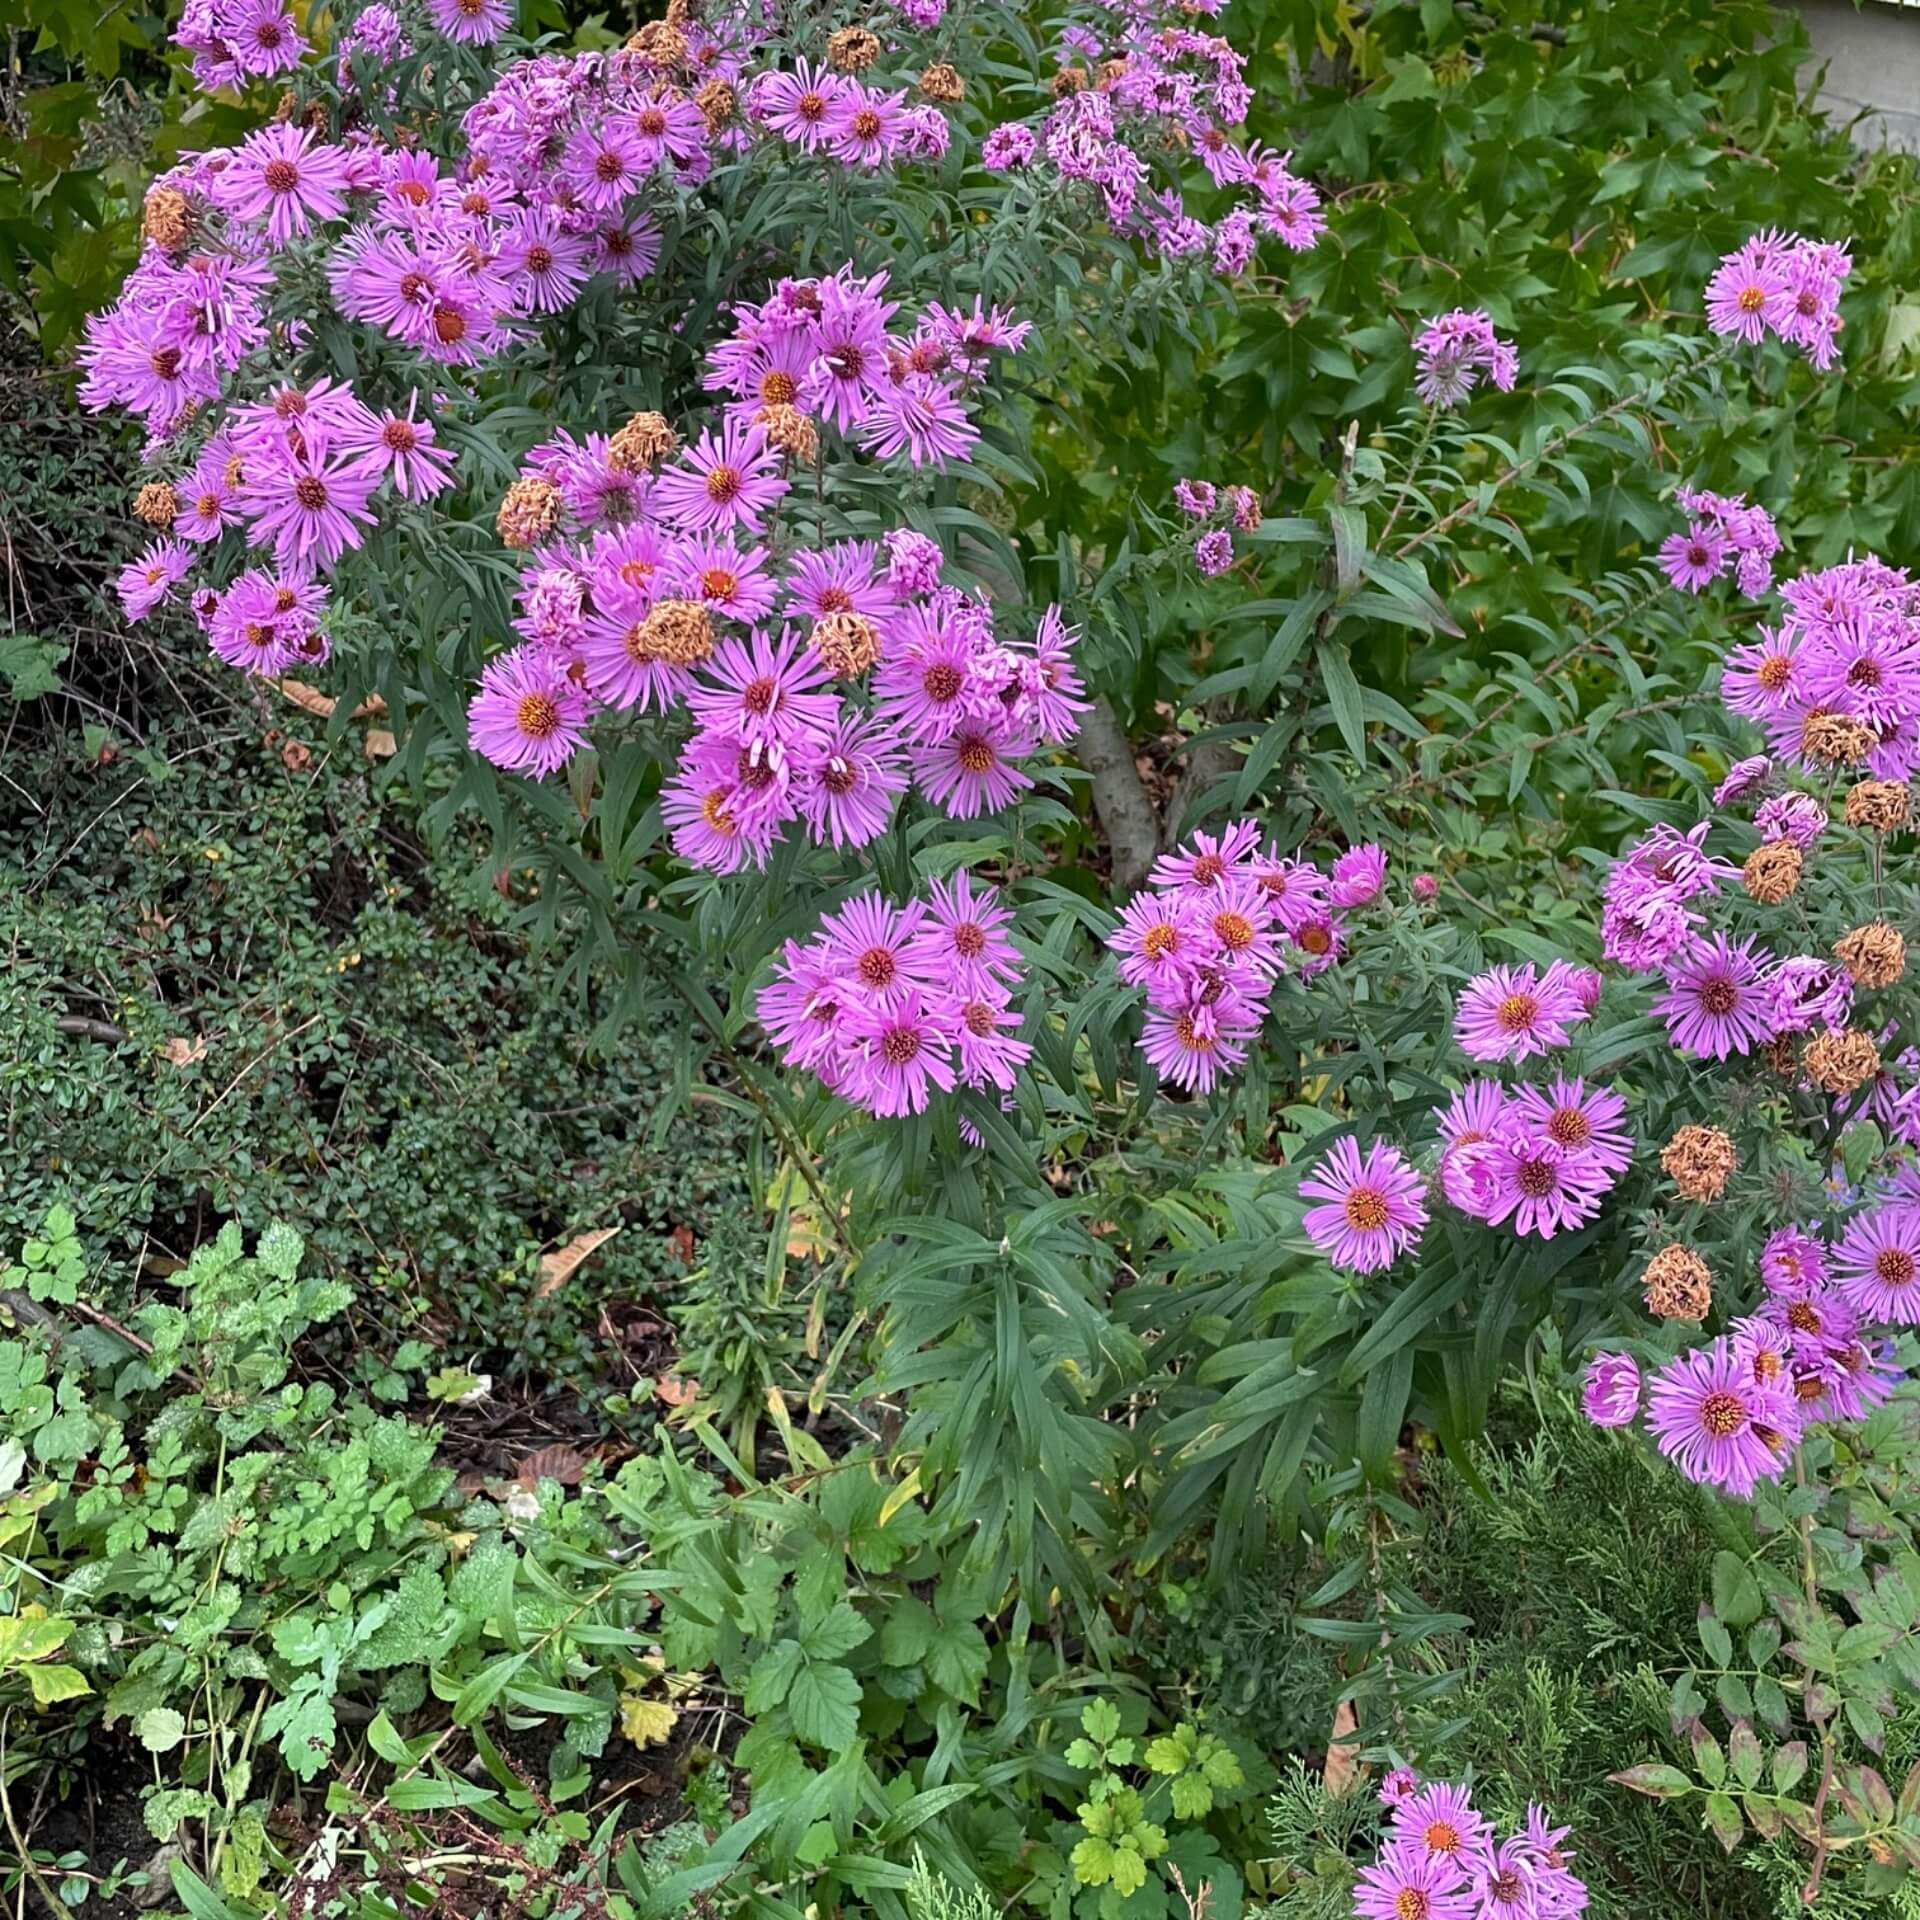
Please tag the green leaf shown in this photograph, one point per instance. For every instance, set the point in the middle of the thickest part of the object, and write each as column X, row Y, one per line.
column 51, row 1684
column 1192, row 1796
column 1737, row 1598
column 161, row 1729
column 1343, row 696
column 824, row 1705
column 839, row 1633
column 1658, row 1781
column 1723, row 1817
column 1100, row 1720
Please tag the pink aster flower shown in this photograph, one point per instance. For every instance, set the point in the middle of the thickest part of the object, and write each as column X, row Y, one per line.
column 1716, row 1001
column 1406, row 1881
column 309, row 510
column 919, row 416
column 1793, row 1264
column 1697, row 558
column 1509, row 1013
column 1373, row 1208
column 1541, row 1187
column 1397, row 1784
column 474, row 23
column 282, row 174
column 709, row 820
column 1476, row 1112
column 402, row 448
column 1583, row 1121
column 876, row 947
column 1742, row 778
column 848, row 781
column 798, row 105
column 990, row 1055
column 529, row 715
column 1748, row 292
column 1359, row 876
column 1718, row 1424
column 149, row 581
column 1160, row 939
column 760, row 689
column 1611, row 1396
column 1876, row 1266
column 969, row 773
column 1439, row 1822
column 910, row 1040
column 965, row 935
column 1194, row 1042
column 1213, row 552
column 1207, row 859
column 729, row 481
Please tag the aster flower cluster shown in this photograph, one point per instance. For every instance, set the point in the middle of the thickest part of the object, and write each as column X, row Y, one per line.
column 1452, row 353
column 1441, row 1859
column 888, row 1005
column 1838, row 681
column 1725, row 531
column 1784, row 285
column 1217, row 925
column 658, row 576
column 1220, row 509
column 1818, row 1349
column 1150, row 87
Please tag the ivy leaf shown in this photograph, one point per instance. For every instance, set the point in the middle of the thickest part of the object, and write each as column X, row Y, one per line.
column 824, row 1705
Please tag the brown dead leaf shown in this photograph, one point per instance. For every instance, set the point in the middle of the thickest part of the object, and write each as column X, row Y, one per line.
column 556, row 1266
column 296, row 756
column 381, row 745
column 183, row 1050
column 676, row 1391
column 561, row 1463
column 320, row 705
column 1343, row 1756
column 682, row 1238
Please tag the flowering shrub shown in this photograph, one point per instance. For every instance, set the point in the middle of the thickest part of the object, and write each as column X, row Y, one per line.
column 713, row 369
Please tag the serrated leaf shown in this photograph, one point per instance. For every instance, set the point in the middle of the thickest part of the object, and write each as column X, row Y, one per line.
column 824, row 1705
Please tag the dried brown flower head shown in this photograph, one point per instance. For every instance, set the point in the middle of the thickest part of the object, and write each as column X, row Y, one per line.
column 679, row 632
column 1882, row 805
column 1772, row 872
column 1875, row 955
column 852, row 50
column 157, row 505
column 1782, row 1056
column 1069, row 80
column 167, row 218
column 1698, row 1161
column 1835, row 738
column 642, row 443
column 791, row 431
column 715, row 101
column 659, row 44
column 1677, row 1285
column 1841, row 1059
column 529, row 512
column 849, row 643
column 943, row 83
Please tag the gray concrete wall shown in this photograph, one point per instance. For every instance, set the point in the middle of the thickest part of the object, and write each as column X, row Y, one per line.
column 1872, row 56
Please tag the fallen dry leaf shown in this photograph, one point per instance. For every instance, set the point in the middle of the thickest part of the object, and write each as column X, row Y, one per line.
column 381, row 745
column 675, row 1391
column 296, row 756
column 561, row 1463
column 556, row 1266
column 320, row 705
column 1343, row 1756
column 183, row 1050
column 682, row 1238
column 647, row 1723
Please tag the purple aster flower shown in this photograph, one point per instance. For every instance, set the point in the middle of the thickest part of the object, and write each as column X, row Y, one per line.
column 965, row 936
column 849, row 780
column 989, row 1054
column 1440, row 1822
column 1405, row 1884
column 1717, row 1423
column 1453, row 351
column 309, row 510
column 1541, row 1187
column 1509, row 1013
column 1585, row 1122
column 1195, row 1042
column 1876, row 1266
column 1397, row 1784
column 798, row 105
column 1470, row 1177
column 710, row 821
column 545, row 265
column 1160, row 939
column 1742, row 778
column 1373, row 1208
column 280, row 174
column 1475, row 1113
column 1207, row 859
column 800, row 1006
column 1008, row 147
column 401, row 447
column 1697, row 558
column 1748, row 291
column 971, row 772
column 1793, row 1264
column 1504, row 1881
column 759, row 689
column 719, row 573
column 919, row 416
column 1359, row 876
column 726, row 482
column 1803, row 992
column 845, row 577
column 529, row 715
column 1196, row 498
column 474, row 23
column 149, row 581
column 910, row 1039
column 1213, row 552
column 1764, row 678
column 1611, row 1396
column 913, row 561
column 876, row 947
column 1794, row 816
column 1717, row 1002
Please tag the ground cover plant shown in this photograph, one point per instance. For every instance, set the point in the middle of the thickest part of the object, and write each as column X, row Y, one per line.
column 1158, row 743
